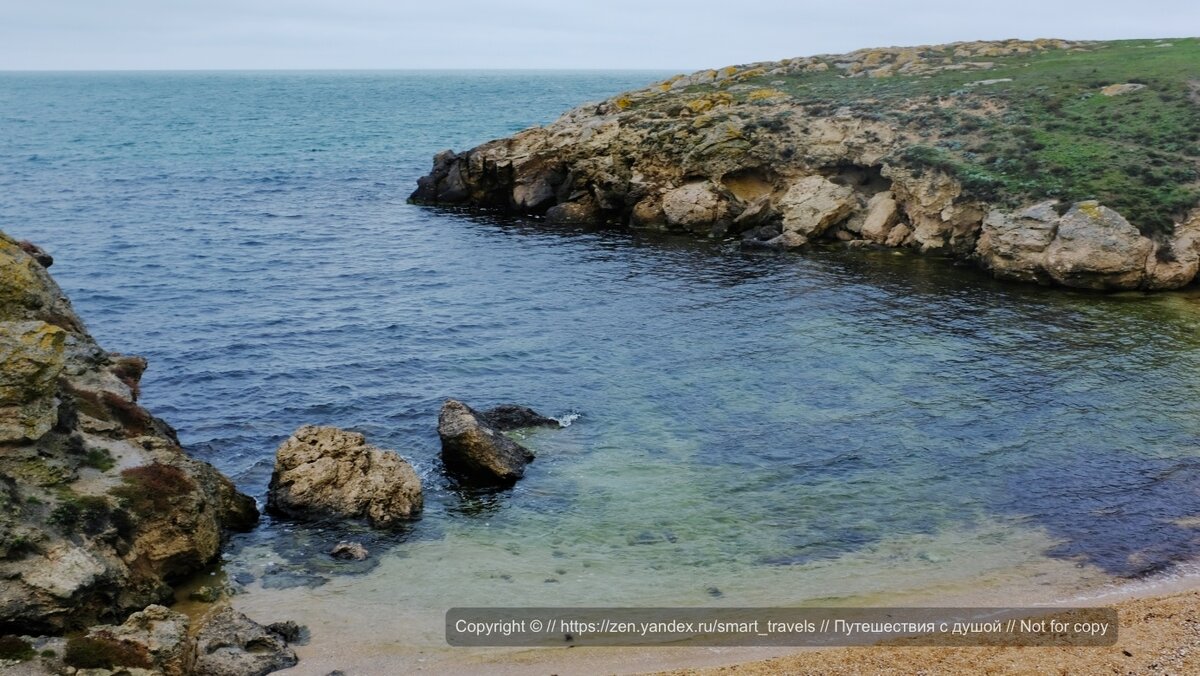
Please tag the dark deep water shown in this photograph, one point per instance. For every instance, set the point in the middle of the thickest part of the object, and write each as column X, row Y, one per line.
column 748, row 422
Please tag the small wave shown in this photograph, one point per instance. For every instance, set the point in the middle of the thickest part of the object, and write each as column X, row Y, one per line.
column 566, row 419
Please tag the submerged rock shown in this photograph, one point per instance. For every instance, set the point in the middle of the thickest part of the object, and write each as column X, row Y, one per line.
column 351, row 551
column 230, row 644
column 325, row 472
column 474, row 448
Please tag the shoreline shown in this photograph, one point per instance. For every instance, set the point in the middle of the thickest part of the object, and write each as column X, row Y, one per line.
column 1148, row 611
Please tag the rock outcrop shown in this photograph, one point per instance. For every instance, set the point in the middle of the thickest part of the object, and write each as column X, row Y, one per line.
column 473, row 448
column 1088, row 247
column 748, row 152
column 100, row 508
column 325, row 472
column 230, row 644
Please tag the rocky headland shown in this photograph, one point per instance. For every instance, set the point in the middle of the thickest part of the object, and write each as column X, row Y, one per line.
column 1048, row 161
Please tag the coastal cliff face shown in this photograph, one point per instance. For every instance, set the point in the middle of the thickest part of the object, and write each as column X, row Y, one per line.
column 1039, row 161
column 100, row 508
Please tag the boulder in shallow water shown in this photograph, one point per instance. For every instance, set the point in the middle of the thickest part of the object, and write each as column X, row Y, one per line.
column 325, row 472
column 473, row 447
column 349, row 551
column 230, row 644
column 513, row 417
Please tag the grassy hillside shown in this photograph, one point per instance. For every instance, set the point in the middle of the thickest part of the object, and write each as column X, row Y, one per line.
column 1027, row 126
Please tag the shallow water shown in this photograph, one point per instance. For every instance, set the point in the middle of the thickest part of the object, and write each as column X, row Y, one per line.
column 754, row 428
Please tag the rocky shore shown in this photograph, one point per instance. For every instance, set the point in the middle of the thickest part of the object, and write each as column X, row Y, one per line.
column 1003, row 154
column 103, row 513
column 101, row 510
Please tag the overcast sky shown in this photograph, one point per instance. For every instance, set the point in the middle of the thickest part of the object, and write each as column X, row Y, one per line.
column 667, row 34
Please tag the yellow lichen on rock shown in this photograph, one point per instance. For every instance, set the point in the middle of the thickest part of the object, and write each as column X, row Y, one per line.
column 19, row 281
column 765, row 94
column 751, row 73
column 707, row 102
column 31, row 360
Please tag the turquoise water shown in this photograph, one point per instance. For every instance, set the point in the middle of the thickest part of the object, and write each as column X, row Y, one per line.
column 752, row 427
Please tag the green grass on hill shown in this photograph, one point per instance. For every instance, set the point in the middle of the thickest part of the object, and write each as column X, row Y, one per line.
column 1049, row 133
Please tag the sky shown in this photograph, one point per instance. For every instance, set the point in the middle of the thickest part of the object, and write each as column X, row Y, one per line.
column 555, row 34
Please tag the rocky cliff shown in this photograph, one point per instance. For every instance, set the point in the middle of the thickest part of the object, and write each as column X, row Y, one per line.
column 100, row 508
column 1049, row 161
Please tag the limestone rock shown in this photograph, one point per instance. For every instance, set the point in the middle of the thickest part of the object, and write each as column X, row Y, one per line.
column 1014, row 246
column 811, row 205
column 324, row 472
column 475, row 449
column 156, row 632
column 882, row 213
column 1124, row 88
column 1096, row 248
column 230, row 644
column 756, row 214
column 1176, row 263
column 583, row 211
column 693, row 206
column 31, row 360
column 648, row 213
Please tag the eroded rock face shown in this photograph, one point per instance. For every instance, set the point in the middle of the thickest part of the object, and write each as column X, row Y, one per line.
column 325, row 472
column 31, row 360
column 230, row 644
column 100, row 508
column 472, row 447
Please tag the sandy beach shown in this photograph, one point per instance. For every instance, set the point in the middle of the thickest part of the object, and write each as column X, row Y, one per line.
column 1158, row 635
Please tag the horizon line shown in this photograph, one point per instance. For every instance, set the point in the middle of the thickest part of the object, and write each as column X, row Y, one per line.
column 597, row 69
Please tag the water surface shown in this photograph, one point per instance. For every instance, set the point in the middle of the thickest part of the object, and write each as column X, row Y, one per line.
column 834, row 427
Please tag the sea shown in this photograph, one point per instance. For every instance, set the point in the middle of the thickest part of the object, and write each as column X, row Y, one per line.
column 829, row 427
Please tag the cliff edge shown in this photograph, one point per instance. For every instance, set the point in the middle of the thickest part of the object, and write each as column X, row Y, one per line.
column 100, row 508
column 1048, row 161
